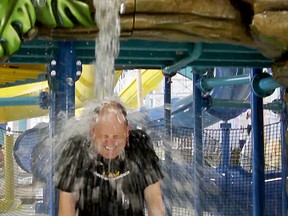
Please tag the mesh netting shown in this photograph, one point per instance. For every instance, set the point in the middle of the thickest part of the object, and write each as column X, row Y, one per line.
column 225, row 191
column 18, row 194
column 229, row 194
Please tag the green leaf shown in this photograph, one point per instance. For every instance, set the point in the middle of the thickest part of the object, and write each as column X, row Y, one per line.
column 78, row 9
column 63, row 13
column 17, row 17
column 45, row 13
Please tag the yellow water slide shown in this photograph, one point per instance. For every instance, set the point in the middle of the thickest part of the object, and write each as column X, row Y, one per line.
column 149, row 81
column 84, row 91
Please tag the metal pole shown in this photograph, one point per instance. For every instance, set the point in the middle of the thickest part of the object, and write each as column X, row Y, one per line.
column 168, row 128
column 225, row 146
column 224, row 166
column 197, row 146
column 167, row 105
column 64, row 71
column 284, row 153
column 258, row 178
column 240, row 104
column 139, row 89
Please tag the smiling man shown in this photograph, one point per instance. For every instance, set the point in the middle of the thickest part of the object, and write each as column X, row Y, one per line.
column 113, row 172
column 110, row 130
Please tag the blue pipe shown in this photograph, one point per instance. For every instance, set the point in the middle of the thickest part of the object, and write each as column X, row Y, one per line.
column 19, row 101
column 224, row 166
column 284, row 161
column 168, row 127
column 258, row 178
column 239, row 104
column 210, row 83
column 264, row 83
column 62, row 77
column 198, row 146
column 194, row 55
column 268, row 84
column 225, row 128
column 167, row 104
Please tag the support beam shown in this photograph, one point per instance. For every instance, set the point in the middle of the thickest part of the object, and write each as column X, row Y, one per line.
column 198, row 146
column 258, row 178
column 284, row 160
column 63, row 72
column 168, row 128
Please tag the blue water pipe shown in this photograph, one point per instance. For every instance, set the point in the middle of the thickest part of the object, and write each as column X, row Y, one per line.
column 207, row 84
column 42, row 100
column 167, row 105
column 2, row 133
column 168, row 128
column 194, row 54
column 64, row 70
column 225, row 128
column 258, row 175
column 275, row 105
column 263, row 84
column 284, row 161
column 198, row 146
column 225, row 162
column 19, row 101
column 30, row 101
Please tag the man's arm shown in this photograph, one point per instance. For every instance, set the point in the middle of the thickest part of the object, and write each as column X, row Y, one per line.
column 154, row 201
column 66, row 204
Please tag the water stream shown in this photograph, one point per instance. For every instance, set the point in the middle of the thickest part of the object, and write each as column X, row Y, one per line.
column 107, row 46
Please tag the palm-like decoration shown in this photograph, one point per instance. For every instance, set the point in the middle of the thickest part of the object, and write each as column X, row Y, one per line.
column 63, row 13
column 17, row 17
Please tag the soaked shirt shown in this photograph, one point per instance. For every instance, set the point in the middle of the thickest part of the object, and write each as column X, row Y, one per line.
column 109, row 187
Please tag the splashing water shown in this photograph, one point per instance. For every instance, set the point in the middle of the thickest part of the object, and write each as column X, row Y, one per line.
column 107, row 46
column 106, row 51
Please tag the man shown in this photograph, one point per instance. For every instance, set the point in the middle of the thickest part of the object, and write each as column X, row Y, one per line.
column 113, row 172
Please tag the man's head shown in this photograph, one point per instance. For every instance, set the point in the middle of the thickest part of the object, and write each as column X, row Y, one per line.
column 110, row 129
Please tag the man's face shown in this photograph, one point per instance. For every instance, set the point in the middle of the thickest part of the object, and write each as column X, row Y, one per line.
column 110, row 134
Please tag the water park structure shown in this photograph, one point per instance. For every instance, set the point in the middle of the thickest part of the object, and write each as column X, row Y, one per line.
column 47, row 48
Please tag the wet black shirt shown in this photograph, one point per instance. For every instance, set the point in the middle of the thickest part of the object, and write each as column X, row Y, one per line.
column 109, row 187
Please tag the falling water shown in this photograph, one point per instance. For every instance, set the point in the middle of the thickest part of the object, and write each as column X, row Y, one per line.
column 178, row 186
column 107, row 46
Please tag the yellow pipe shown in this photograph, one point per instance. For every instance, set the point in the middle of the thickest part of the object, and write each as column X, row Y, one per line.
column 84, row 91
column 15, row 91
column 7, row 203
